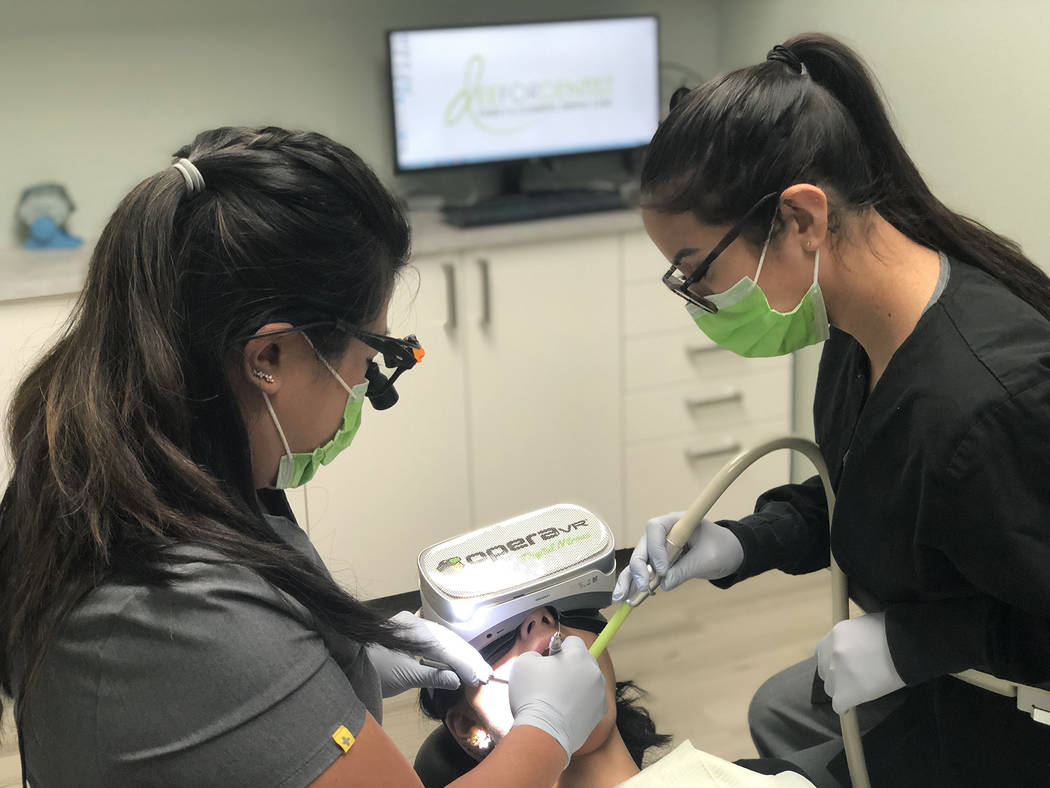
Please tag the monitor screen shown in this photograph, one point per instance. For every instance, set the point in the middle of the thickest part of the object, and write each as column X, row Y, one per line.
column 469, row 95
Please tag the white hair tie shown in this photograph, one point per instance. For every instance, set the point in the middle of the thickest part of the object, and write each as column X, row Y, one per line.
column 190, row 174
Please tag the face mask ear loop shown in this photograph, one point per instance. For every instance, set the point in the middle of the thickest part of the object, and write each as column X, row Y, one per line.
column 337, row 377
column 330, row 367
column 277, row 424
column 765, row 247
column 816, row 265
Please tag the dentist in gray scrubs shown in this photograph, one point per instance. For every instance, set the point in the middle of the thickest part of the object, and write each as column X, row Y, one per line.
column 792, row 215
column 163, row 619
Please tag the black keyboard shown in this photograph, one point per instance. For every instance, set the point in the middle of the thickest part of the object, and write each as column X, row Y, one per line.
column 534, row 205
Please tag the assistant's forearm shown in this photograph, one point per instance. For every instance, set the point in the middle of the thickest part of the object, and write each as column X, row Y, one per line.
column 789, row 532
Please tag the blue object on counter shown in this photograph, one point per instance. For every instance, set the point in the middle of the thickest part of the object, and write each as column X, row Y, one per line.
column 44, row 210
column 45, row 234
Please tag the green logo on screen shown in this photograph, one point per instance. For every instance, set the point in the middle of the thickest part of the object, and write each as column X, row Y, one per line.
column 508, row 107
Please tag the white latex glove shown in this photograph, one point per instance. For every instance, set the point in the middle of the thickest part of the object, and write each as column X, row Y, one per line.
column 713, row 552
column 399, row 672
column 563, row 694
column 854, row 661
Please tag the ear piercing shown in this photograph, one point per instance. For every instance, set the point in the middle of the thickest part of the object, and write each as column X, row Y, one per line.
column 264, row 375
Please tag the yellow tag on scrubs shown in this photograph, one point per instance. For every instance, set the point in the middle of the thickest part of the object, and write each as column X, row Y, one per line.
column 344, row 738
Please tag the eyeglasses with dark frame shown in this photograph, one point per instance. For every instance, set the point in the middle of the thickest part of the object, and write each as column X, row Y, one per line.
column 679, row 284
column 398, row 354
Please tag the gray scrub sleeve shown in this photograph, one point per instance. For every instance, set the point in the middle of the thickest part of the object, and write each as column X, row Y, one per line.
column 218, row 679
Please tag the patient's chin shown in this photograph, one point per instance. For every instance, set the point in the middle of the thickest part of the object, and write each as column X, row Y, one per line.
column 606, row 727
column 599, row 736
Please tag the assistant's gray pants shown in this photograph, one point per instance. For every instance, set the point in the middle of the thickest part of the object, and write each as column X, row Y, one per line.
column 786, row 722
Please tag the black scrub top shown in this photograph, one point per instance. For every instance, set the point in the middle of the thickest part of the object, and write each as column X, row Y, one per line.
column 942, row 520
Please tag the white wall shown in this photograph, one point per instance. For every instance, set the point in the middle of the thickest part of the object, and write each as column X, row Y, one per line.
column 97, row 95
column 968, row 85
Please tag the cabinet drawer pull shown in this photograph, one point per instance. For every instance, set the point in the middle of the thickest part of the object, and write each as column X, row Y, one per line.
column 693, row 455
column 714, row 399
column 486, row 296
column 450, row 294
column 696, row 350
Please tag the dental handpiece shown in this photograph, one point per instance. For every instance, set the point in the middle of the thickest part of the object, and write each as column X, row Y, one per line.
column 433, row 663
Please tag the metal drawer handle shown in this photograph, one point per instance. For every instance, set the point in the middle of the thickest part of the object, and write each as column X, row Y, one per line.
column 693, row 455
column 714, row 399
column 486, row 292
column 696, row 350
column 450, row 294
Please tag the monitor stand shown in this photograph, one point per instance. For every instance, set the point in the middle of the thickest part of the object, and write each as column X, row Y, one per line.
column 511, row 178
column 514, row 203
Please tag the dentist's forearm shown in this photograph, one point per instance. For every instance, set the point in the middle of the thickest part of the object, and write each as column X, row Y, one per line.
column 527, row 757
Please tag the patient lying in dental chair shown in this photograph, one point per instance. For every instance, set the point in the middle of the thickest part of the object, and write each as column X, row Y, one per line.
column 474, row 720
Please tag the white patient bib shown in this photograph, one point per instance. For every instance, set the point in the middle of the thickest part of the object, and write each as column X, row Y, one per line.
column 687, row 767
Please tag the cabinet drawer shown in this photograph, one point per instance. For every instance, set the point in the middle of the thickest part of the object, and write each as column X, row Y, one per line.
column 707, row 407
column 642, row 261
column 667, row 475
column 681, row 356
column 649, row 307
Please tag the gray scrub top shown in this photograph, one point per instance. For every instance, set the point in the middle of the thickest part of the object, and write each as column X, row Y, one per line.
column 220, row 679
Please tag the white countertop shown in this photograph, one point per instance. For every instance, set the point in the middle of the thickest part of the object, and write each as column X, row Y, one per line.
column 38, row 273
column 431, row 236
column 26, row 273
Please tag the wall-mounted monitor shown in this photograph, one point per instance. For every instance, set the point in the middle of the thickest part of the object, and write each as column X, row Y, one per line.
column 500, row 93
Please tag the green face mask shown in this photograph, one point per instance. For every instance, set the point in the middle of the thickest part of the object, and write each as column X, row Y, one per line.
column 746, row 324
column 297, row 468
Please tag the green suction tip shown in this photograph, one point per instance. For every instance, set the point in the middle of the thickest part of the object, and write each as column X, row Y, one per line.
column 611, row 629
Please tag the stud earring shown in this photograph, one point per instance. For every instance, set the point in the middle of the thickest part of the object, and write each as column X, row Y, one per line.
column 264, row 375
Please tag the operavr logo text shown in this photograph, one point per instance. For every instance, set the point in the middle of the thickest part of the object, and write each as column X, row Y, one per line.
column 497, row 551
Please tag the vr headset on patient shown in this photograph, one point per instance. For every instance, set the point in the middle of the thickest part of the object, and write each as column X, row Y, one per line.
column 483, row 584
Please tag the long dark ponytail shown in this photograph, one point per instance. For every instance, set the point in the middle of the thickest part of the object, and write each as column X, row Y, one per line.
column 813, row 114
column 127, row 437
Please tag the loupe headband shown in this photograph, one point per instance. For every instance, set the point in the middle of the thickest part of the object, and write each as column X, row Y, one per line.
column 397, row 353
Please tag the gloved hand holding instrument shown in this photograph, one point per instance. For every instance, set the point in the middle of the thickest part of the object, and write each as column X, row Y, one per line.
column 711, row 552
column 562, row 694
column 689, row 535
column 452, row 660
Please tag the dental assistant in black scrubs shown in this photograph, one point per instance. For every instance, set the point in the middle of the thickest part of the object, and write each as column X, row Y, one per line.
column 792, row 215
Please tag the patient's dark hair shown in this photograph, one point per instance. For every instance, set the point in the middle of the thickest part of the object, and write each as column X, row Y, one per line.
column 636, row 727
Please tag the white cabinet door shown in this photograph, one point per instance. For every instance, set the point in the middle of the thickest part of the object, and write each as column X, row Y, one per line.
column 667, row 474
column 27, row 329
column 544, row 377
column 689, row 405
column 402, row 485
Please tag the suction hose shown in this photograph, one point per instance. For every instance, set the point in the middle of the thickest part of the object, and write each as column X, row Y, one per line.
column 683, row 529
